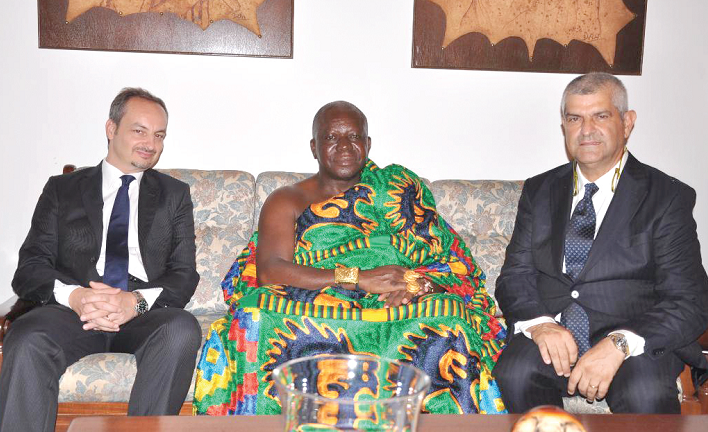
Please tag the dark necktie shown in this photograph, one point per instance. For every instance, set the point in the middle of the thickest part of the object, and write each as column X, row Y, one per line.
column 578, row 241
column 116, row 272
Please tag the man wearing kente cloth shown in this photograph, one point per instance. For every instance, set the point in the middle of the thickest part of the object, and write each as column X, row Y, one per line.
column 354, row 259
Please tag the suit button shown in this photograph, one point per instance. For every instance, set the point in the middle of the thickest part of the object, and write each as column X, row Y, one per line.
column 658, row 351
column 575, row 294
column 93, row 260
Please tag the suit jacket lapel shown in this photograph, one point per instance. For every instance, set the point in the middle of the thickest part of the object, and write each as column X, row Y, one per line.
column 91, row 187
column 147, row 205
column 561, row 196
column 629, row 193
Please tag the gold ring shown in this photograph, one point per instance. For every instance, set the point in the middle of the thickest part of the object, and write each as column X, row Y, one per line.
column 410, row 276
column 411, row 279
column 413, row 287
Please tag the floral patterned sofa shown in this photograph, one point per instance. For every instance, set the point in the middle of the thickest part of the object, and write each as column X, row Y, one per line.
column 226, row 208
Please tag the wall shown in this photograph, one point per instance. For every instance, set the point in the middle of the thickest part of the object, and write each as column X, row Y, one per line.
column 254, row 114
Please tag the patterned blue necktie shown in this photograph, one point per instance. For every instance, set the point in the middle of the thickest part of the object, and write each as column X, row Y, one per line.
column 116, row 272
column 578, row 241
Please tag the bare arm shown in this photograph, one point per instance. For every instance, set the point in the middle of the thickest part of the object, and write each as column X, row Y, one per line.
column 276, row 243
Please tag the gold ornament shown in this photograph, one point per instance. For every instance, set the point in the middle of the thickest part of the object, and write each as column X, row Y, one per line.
column 346, row 275
column 615, row 176
column 411, row 279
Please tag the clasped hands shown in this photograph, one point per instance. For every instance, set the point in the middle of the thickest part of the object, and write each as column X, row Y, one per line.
column 390, row 282
column 592, row 374
column 102, row 307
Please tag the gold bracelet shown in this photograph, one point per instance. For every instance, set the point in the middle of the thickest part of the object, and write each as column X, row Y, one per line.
column 346, row 275
column 411, row 278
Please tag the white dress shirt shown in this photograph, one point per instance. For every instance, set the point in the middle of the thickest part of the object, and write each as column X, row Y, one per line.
column 601, row 202
column 110, row 185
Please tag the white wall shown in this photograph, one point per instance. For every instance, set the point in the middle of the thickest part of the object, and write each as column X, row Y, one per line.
column 254, row 114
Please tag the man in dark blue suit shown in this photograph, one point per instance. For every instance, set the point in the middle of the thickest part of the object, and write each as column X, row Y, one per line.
column 110, row 260
column 603, row 287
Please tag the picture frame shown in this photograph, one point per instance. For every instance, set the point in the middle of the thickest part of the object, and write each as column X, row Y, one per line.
column 501, row 51
column 161, row 31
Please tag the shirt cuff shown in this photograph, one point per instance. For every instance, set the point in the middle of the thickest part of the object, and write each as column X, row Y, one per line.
column 150, row 295
column 635, row 343
column 62, row 292
column 524, row 326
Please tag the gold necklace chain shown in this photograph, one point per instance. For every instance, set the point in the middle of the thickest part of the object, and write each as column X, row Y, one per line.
column 615, row 176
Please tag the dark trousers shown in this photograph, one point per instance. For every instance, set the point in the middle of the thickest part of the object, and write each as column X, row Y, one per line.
column 42, row 343
column 641, row 385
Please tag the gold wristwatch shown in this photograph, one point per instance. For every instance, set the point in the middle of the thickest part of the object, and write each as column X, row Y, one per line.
column 620, row 342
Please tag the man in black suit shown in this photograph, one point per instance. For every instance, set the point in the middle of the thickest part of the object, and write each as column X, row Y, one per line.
column 110, row 259
column 603, row 287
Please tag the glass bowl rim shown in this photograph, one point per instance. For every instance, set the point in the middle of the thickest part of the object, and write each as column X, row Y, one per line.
column 276, row 374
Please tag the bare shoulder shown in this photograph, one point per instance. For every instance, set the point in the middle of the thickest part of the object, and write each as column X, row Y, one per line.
column 289, row 201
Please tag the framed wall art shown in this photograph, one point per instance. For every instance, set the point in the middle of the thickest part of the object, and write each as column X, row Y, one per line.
column 569, row 36
column 260, row 28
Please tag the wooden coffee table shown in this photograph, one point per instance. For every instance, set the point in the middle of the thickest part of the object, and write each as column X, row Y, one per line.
column 428, row 423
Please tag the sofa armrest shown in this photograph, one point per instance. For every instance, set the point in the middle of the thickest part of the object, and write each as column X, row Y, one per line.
column 703, row 341
column 4, row 322
column 7, row 305
column 13, row 309
column 10, row 310
column 5, row 309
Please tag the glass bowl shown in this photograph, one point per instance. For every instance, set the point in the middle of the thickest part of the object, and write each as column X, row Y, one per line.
column 350, row 393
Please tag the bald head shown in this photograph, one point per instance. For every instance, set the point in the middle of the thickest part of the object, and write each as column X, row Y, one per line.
column 337, row 107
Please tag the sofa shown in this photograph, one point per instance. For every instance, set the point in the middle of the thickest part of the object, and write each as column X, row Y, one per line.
column 226, row 209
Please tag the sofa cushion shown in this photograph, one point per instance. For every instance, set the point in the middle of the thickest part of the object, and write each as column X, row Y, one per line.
column 103, row 377
column 223, row 222
column 483, row 213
